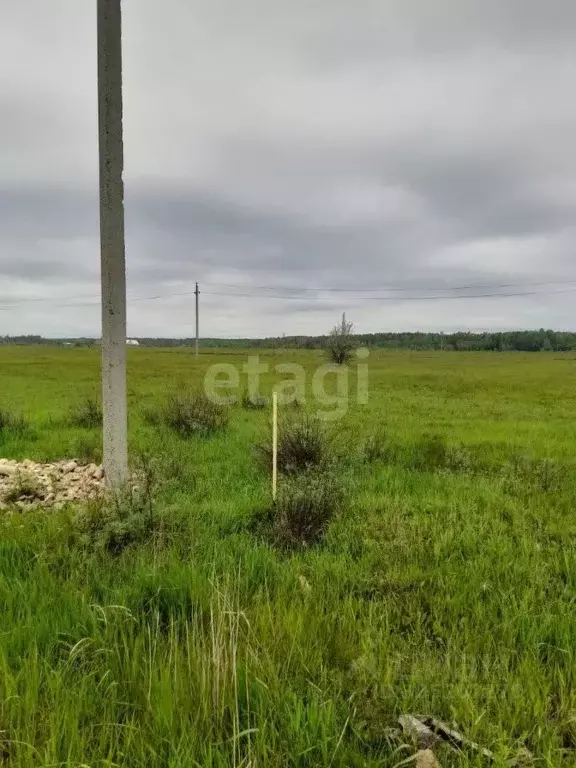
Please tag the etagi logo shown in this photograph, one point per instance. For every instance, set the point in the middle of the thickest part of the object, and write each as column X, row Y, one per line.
column 330, row 387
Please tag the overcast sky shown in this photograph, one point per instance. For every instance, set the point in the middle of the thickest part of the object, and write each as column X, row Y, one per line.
column 319, row 144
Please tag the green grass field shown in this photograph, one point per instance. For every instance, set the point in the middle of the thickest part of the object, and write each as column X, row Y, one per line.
column 445, row 586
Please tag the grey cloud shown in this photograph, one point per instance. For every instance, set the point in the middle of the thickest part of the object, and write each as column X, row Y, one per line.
column 306, row 144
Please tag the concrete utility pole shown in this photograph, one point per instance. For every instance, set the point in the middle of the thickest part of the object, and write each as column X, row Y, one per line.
column 197, row 295
column 113, row 263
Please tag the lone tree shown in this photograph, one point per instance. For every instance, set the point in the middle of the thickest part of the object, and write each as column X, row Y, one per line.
column 340, row 342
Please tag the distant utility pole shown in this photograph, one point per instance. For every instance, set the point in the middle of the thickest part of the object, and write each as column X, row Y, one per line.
column 197, row 295
column 112, row 250
column 343, row 322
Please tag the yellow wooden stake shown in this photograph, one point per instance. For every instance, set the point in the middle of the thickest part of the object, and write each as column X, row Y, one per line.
column 274, row 444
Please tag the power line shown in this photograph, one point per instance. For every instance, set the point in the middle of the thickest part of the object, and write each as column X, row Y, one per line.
column 394, row 298
column 96, row 301
column 392, row 287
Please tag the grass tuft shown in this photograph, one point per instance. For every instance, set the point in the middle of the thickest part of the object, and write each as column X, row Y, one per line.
column 303, row 444
column 88, row 449
column 87, row 414
column 195, row 415
column 12, row 426
column 377, row 447
column 305, row 506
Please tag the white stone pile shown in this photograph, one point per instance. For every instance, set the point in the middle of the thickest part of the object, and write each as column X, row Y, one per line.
column 27, row 485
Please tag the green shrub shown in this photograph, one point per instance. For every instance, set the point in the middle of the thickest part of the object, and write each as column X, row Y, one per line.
column 123, row 519
column 341, row 343
column 112, row 528
column 303, row 444
column 87, row 414
column 195, row 415
column 304, row 507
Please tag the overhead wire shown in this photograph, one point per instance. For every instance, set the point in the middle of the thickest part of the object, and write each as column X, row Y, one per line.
column 311, row 294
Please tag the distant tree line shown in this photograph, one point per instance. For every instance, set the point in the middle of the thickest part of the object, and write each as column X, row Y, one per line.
column 506, row 341
column 31, row 340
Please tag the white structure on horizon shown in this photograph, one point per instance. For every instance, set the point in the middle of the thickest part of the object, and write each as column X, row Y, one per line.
column 132, row 343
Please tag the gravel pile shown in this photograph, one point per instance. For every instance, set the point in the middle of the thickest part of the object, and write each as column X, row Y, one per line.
column 26, row 485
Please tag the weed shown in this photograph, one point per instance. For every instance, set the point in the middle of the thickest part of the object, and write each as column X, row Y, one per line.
column 86, row 415
column 24, row 486
column 120, row 521
column 304, row 507
column 195, row 415
column 147, row 471
column 303, row 443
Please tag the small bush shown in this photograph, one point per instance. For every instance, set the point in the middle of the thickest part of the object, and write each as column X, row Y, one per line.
column 195, row 415
column 125, row 519
column 113, row 527
column 254, row 402
column 87, row 414
column 341, row 343
column 304, row 508
column 303, row 444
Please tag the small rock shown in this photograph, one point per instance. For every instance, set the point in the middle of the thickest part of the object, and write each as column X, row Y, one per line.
column 304, row 584
column 6, row 470
column 98, row 473
column 418, row 731
column 426, row 759
column 70, row 466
